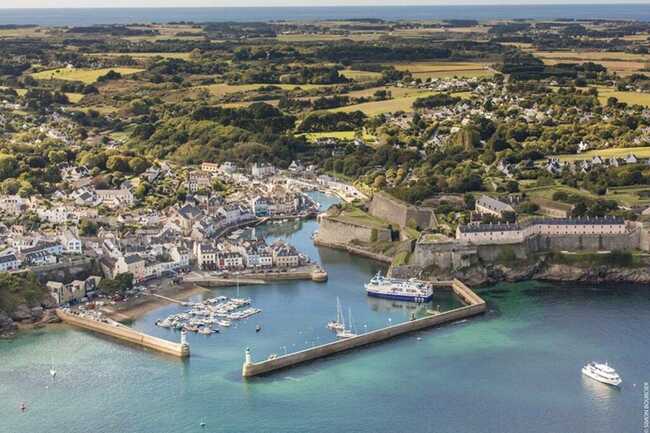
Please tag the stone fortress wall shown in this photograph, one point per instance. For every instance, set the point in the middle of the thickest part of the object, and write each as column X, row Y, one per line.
column 333, row 231
column 400, row 213
column 455, row 254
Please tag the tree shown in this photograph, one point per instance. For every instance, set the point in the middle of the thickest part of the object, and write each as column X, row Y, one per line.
column 138, row 165
column 120, row 284
column 8, row 166
column 87, row 228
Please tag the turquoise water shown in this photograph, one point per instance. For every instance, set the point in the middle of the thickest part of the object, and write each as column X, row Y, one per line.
column 515, row 369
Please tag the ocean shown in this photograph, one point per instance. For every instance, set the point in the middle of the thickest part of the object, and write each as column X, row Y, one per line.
column 515, row 369
column 85, row 17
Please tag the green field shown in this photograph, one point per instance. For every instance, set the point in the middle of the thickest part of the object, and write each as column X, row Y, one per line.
column 354, row 215
column 618, row 152
column 626, row 196
column 87, row 76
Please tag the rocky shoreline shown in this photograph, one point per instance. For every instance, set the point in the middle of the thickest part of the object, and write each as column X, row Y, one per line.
column 492, row 274
column 24, row 317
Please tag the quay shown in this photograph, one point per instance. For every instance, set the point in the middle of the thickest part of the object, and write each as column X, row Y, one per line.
column 475, row 305
column 124, row 333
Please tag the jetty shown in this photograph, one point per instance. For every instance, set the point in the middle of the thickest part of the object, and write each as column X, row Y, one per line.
column 474, row 305
column 124, row 333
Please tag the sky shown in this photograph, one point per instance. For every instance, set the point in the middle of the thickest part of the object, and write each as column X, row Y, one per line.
column 5, row 4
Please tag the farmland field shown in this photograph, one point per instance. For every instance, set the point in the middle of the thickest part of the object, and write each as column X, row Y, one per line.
column 223, row 89
column 424, row 70
column 618, row 152
column 616, row 61
column 404, row 103
column 342, row 135
column 360, row 75
column 87, row 76
column 623, row 96
column 183, row 56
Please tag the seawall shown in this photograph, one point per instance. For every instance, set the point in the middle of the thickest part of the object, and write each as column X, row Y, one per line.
column 475, row 306
column 124, row 333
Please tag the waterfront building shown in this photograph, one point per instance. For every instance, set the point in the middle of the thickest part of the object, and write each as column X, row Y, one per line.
column 515, row 233
column 133, row 264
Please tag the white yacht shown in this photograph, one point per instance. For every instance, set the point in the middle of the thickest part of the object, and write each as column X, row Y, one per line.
column 346, row 333
column 602, row 373
column 338, row 324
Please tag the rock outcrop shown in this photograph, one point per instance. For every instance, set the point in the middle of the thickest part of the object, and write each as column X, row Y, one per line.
column 7, row 325
column 541, row 270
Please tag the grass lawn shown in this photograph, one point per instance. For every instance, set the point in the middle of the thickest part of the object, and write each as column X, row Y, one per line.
column 354, row 215
column 617, row 152
column 87, row 76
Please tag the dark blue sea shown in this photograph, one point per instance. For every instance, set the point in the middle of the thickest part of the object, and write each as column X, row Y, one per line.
column 78, row 17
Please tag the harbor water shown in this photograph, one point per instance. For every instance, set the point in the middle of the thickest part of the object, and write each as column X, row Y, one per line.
column 517, row 368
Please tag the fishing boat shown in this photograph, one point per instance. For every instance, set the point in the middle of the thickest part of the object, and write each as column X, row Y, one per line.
column 338, row 324
column 602, row 373
column 346, row 333
column 401, row 290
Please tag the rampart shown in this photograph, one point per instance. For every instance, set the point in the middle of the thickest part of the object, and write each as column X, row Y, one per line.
column 400, row 213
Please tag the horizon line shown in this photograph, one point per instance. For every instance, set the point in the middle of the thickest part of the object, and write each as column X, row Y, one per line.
column 443, row 4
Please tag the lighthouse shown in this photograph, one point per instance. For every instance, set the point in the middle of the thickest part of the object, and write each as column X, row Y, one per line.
column 185, row 346
column 247, row 362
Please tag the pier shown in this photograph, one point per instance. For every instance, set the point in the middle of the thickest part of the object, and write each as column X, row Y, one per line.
column 475, row 305
column 124, row 333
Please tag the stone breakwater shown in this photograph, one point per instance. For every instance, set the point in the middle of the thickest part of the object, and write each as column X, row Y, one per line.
column 124, row 333
column 475, row 305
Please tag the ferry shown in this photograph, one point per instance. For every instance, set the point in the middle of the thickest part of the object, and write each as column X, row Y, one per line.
column 602, row 373
column 398, row 289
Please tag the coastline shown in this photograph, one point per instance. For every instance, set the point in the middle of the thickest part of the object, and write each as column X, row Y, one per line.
column 136, row 308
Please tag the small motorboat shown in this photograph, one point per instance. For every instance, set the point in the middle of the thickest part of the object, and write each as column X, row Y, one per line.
column 258, row 328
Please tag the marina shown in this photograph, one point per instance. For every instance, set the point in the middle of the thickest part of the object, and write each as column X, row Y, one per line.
column 559, row 326
column 209, row 316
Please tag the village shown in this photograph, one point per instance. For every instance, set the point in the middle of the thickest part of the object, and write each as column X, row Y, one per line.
column 200, row 238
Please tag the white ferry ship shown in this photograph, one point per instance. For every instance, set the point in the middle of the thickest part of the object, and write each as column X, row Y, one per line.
column 602, row 373
column 401, row 290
